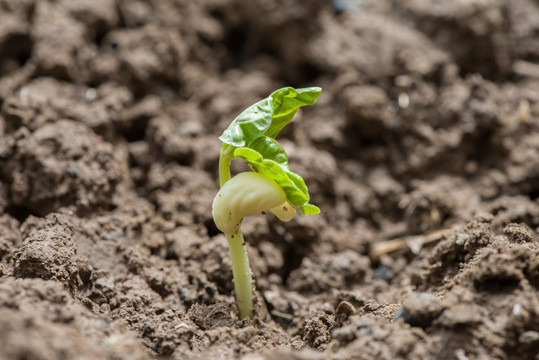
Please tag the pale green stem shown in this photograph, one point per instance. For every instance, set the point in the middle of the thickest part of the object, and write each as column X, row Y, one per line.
column 236, row 245
column 227, row 154
column 242, row 273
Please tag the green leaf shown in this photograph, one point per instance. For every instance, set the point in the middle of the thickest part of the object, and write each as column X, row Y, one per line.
column 310, row 209
column 266, row 156
column 269, row 116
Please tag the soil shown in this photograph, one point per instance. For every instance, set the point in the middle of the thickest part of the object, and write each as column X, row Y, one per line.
column 422, row 152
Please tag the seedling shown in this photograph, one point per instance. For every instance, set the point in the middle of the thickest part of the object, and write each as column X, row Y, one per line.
column 271, row 187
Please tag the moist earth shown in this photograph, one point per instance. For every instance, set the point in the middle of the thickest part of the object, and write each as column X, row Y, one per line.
column 422, row 152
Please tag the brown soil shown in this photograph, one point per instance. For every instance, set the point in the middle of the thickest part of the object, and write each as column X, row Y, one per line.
column 426, row 136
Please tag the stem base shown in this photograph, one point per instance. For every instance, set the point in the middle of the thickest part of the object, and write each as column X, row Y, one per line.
column 242, row 273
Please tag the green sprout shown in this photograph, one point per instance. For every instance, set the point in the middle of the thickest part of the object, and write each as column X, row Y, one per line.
column 271, row 187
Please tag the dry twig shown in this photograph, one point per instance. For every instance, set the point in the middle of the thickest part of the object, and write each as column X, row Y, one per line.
column 413, row 243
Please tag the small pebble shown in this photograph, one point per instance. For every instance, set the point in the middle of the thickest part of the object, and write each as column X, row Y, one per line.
column 419, row 310
column 344, row 311
column 529, row 338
